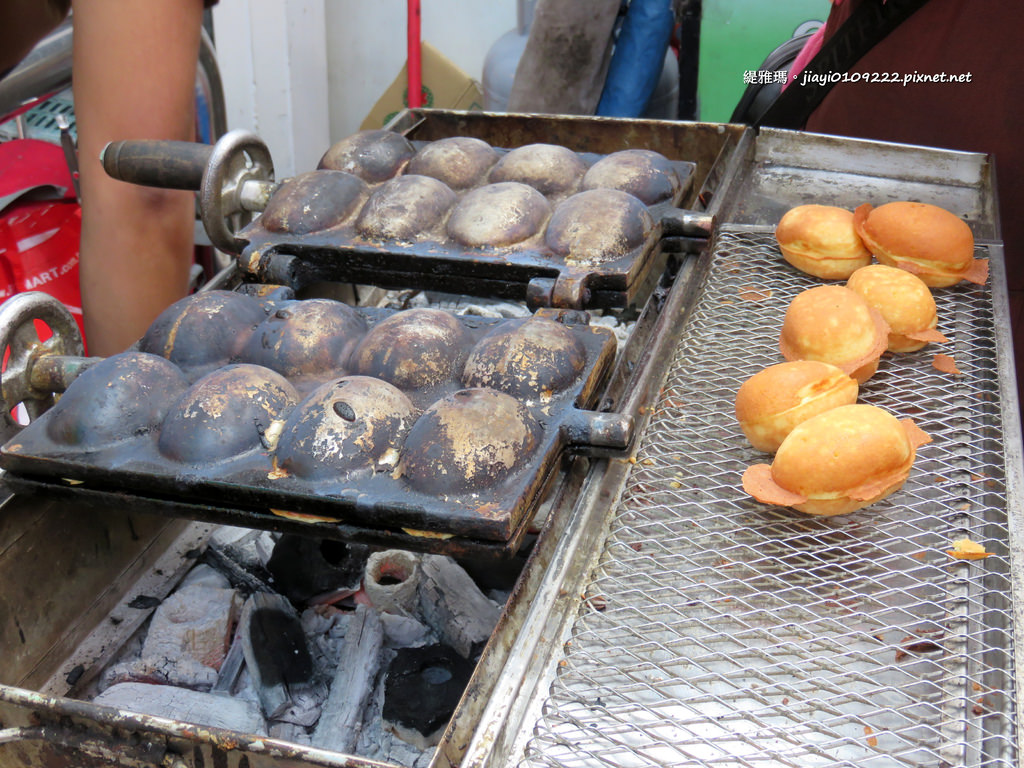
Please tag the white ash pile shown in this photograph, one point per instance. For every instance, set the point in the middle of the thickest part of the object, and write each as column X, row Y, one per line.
column 315, row 642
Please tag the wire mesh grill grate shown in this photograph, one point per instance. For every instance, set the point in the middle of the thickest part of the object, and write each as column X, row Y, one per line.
column 719, row 631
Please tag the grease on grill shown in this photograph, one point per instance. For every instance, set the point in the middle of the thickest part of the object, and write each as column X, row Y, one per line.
column 597, row 226
column 531, row 358
column 122, row 397
column 552, row 170
column 458, row 161
column 314, row 201
column 306, row 337
column 205, row 331
column 354, row 423
column 405, row 208
column 225, row 414
column 373, row 156
column 470, row 440
column 413, row 349
column 503, row 214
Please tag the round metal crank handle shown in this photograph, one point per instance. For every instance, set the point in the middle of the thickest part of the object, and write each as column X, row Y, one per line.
column 234, row 177
column 36, row 369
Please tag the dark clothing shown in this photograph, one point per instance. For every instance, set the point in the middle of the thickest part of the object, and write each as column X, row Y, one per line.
column 980, row 37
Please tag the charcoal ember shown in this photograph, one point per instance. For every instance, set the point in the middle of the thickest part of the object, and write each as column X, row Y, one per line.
column 531, row 358
column 203, row 331
column 206, row 576
column 226, row 413
column 360, row 658
column 405, row 208
column 413, row 349
column 306, row 569
column 404, row 631
column 352, row 423
column 372, row 155
column 121, row 397
column 551, row 169
column 314, row 336
column 647, row 175
column 469, row 440
column 314, row 201
column 196, row 619
column 598, row 226
column 205, row 709
column 459, row 161
column 276, row 654
column 498, row 215
column 187, row 640
column 422, row 687
column 454, row 607
column 241, row 555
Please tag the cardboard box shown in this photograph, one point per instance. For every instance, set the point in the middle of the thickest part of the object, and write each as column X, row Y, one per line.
column 445, row 86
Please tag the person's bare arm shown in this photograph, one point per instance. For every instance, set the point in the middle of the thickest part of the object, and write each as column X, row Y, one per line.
column 134, row 78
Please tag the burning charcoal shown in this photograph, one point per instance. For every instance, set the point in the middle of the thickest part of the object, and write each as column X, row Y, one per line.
column 324, row 627
column 305, row 709
column 187, row 640
column 203, row 331
column 459, row 161
column 231, row 669
column 197, row 619
column 532, row 359
column 373, row 155
column 454, row 606
column 205, row 709
column 305, row 569
column 392, row 582
column 340, row 721
column 241, row 554
column 276, row 654
column 207, row 576
column 404, row 632
column 421, row 690
column 239, row 576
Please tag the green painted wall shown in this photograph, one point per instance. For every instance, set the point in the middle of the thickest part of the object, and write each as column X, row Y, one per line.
column 736, row 36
